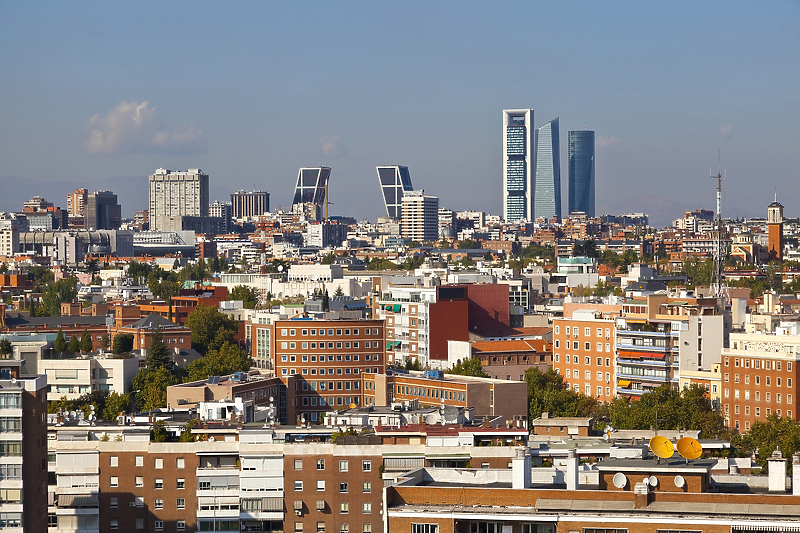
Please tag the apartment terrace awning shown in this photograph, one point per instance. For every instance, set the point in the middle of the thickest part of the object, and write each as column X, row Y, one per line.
column 624, row 383
column 396, row 308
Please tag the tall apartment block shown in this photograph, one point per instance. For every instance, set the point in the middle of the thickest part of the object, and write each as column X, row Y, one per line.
column 581, row 172
column 249, row 204
column 519, row 164
column 76, row 201
column 419, row 216
column 547, row 185
column 23, row 450
column 310, row 192
column 102, row 211
column 224, row 211
column 394, row 180
column 583, row 353
column 175, row 193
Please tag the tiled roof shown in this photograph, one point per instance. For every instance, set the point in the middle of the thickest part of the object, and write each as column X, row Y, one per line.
column 532, row 345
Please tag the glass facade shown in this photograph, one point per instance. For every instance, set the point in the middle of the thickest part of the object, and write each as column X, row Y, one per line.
column 581, row 172
column 518, row 157
column 394, row 181
column 547, row 185
column 310, row 188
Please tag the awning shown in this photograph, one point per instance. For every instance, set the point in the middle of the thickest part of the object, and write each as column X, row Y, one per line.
column 397, row 344
column 624, row 383
column 629, row 355
column 396, row 308
column 298, row 505
column 389, row 345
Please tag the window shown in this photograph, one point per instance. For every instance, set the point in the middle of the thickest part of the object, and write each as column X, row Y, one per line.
column 180, row 463
column 139, row 524
column 344, row 508
column 298, row 464
column 114, row 461
column 159, row 463
column 298, row 485
column 366, row 466
column 343, row 486
column 320, row 464
column 433, row 528
column 366, row 528
column 159, row 525
column 181, row 525
column 159, row 503
column 320, row 484
column 114, row 523
column 344, row 528
column 298, row 527
column 139, row 501
column 343, row 466
column 366, row 508
column 114, row 481
column 159, row 483
column 180, row 483
column 321, row 525
column 139, row 481
column 114, row 502
column 180, row 503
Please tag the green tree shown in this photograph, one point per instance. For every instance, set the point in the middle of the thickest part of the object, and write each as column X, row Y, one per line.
column 587, row 248
column 74, row 345
column 116, row 403
column 766, row 436
column 381, row 264
column 227, row 360
column 41, row 277
column 139, row 271
column 698, row 272
column 248, row 295
column 326, row 301
column 158, row 354
column 412, row 263
column 186, row 431
column 86, row 341
column 329, row 258
column 105, row 341
column 60, row 344
column 210, row 328
column 6, row 349
column 159, row 433
column 123, row 343
column 546, row 393
column 468, row 244
column 338, row 291
column 62, row 291
column 151, row 386
column 469, row 367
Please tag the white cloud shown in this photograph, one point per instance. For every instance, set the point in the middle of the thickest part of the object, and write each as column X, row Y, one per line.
column 726, row 132
column 332, row 146
column 135, row 127
column 606, row 142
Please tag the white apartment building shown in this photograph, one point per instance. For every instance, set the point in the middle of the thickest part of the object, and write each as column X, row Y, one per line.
column 420, row 220
column 9, row 242
column 175, row 194
column 74, row 377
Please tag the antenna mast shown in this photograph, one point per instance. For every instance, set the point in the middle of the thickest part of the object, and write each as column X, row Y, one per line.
column 718, row 231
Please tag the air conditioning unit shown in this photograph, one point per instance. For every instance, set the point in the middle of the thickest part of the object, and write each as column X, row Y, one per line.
column 133, row 504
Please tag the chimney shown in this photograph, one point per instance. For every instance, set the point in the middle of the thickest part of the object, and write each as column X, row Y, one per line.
column 641, row 495
column 571, row 475
column 777, row 471
column 796, row 474
column 521, row 469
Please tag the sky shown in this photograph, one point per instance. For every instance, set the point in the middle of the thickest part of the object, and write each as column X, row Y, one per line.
column 101, row 94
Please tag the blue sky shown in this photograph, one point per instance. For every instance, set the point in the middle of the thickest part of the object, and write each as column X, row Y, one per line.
column 102, row 94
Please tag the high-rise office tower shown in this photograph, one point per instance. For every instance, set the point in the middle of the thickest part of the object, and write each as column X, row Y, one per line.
column 175, row 194
column 102, row 211
column 309, row 191
column 394, row 180
column 420, row 216
column 222, row 210
column 581, row 172
column 249, row 204
column 519, row 164
column 547, row 185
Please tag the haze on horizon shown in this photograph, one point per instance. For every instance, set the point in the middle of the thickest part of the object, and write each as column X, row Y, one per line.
column 100, row 95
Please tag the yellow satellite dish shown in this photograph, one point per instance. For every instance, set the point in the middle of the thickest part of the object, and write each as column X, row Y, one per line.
column 352, row 406
column 689, row 448
column 662, row 447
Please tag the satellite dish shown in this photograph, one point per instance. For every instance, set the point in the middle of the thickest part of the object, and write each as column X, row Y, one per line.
column 689, row 448
column 662, row 447
column 605, row 436
column 352, row 405
column 620, row 480
column 653, row 481
column 280, row 268
column 679, row 481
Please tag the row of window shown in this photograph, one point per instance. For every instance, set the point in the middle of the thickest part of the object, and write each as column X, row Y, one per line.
column 757, row 396
column 587, row 346
column 736, row 411
column 424, row 392
column 328, row 400
column 321, row 332
column 344, row 466
column 587, row 360
column 757, row 363
column 158, row 525
column 343, row 528
column 180, row 483
column 158, row 462
column 767, row 380
column 587, row 389
column 339, row 371
column 331, row 358
column 330, row 345
column 587, row 332
column 588, row 375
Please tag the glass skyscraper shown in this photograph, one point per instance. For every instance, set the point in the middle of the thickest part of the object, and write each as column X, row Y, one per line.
column 581, row 172
column 309, row 191
column 519, row 160
column 394, row 180
column 547, row 185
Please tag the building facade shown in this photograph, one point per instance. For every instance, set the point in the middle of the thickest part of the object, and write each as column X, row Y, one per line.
column 519, row 164
column 224, row 211
column 583, row 353
column 310, row 192
column 547, row 184
column 775, row 228
column 419, row 216
column 76, row 201
column 175, row 193
column 102, row 211
column 394, row 181
column 581, row 172
column 249, row 204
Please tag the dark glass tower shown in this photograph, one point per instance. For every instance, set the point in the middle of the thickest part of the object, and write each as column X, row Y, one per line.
column 309, row 191
column 519, row 164
column 581, row 172
column 547, row 185
column 394, row 180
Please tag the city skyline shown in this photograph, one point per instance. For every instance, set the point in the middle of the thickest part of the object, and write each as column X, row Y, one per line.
column 69, row 115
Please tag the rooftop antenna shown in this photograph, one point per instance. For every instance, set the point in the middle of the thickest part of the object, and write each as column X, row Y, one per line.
column 717, row 288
